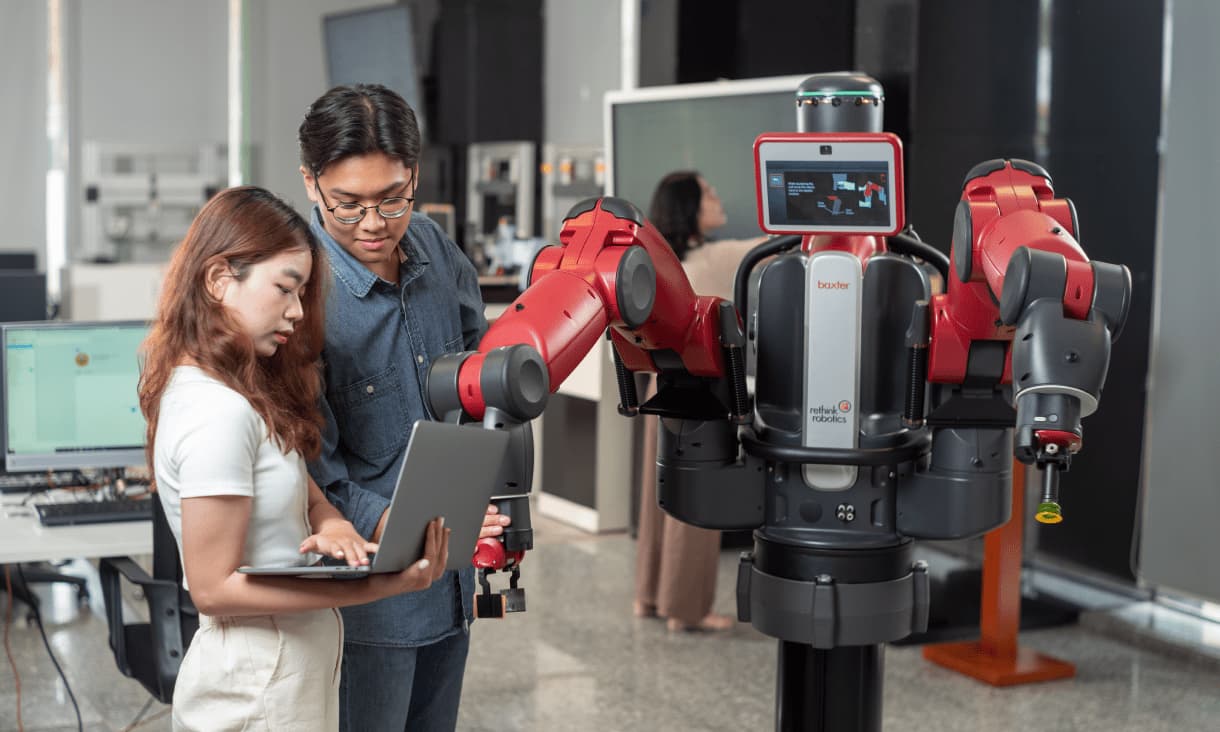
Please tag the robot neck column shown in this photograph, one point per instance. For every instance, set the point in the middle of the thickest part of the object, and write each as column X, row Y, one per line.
column 862, row 247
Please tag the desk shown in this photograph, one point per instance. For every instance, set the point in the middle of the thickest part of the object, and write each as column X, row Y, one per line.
column 24, row 539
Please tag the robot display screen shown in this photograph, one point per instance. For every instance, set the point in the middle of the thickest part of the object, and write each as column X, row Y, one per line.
column 70, row 395
column 820, row 185
column 852, row 193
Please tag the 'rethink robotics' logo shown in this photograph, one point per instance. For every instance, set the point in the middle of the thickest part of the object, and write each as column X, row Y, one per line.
column 833, row 413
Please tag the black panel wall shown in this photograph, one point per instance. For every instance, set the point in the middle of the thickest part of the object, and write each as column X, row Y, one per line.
column 747, row 39
column 974, row 98
column 488, row 71
column 778, row 37
column 1104, row 125
column 707, row 40
column 487, row 65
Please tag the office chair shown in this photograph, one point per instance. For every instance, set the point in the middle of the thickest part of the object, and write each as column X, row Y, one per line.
column 39, row 573
column 151, row 652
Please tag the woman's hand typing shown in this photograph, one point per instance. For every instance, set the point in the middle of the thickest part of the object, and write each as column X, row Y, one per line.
column 340, row 540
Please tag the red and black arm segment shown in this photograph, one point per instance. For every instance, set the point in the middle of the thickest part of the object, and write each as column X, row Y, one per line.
column 612, row 272
column 1024, row 284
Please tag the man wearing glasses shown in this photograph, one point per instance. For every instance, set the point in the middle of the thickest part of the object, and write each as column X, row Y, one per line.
column 402, row 294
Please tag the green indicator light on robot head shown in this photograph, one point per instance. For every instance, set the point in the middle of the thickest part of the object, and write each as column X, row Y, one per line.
column 835, row 94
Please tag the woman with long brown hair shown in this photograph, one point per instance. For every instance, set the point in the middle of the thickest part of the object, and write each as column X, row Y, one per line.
column 230, row 389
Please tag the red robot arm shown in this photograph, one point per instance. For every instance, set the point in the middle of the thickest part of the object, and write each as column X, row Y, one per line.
column 1000, row 211
column 1024, row 284
column 611, row 269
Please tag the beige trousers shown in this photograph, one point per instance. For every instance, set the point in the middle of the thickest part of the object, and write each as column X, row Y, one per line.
column 265, row 672
column 676, row 563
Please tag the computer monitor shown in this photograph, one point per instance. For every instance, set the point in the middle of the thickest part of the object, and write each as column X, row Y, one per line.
column 374, row 46
column 23, row 296
column 68, row 394
column 18, row 260
column 706, row 127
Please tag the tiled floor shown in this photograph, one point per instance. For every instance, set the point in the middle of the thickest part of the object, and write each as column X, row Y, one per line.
column 578, row 660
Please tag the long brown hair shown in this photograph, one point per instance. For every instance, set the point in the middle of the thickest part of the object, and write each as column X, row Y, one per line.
column 239, row 228
column 674, row 210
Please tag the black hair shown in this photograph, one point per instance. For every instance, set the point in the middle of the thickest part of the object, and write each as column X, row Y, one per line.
column 674, row 210
column 357, row 120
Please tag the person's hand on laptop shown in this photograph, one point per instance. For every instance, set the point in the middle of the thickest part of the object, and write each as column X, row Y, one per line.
column 429, row 568
column 493, row 522
column 340, row 540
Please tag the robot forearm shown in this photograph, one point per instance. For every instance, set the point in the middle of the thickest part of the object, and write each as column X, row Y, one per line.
column 1014, row 246
column 612, row 269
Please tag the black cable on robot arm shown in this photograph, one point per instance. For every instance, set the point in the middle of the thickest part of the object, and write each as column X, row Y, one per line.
column 906, row 244
column 741, row 285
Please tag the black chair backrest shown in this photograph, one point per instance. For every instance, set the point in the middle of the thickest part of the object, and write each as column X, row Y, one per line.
column 151, row 652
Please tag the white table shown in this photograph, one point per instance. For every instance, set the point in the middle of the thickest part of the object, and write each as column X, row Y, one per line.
column 24, row 539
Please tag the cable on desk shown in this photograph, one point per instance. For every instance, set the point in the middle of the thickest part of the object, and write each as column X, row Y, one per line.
column 8, row 649
column 75, row 490
column 80, row 727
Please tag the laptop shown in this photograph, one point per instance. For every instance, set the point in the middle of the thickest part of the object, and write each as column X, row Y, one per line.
column 448, row 470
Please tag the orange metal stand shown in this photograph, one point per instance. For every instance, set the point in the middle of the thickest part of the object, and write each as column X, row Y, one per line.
column 996, row 658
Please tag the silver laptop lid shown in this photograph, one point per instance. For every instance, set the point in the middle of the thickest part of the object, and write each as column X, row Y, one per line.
column 449, row 470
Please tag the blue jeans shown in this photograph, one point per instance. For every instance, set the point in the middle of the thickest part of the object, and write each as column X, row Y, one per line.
column 386, row 689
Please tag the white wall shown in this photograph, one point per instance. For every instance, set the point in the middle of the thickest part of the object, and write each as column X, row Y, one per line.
column 152, row 71
column 287, row 73
column 156, row 71
column 580, row 64
column 23, row 129
column 142, row 72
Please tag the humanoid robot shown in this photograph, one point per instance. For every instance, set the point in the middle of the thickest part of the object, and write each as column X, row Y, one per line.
column 883, row 410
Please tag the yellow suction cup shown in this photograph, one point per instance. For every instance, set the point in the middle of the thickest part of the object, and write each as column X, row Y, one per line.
column 1049, row 513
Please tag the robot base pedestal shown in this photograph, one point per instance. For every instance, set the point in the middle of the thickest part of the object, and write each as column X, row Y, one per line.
column 1020, row 666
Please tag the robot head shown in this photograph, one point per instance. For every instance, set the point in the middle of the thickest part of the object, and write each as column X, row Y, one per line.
column 844, row 101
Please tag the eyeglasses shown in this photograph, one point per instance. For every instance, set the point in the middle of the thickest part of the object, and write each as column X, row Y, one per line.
column 353, row 213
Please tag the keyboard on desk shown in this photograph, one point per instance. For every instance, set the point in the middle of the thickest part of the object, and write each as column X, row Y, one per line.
column 94, row 512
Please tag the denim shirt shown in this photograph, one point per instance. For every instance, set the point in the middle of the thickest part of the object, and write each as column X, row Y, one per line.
column 380, row 341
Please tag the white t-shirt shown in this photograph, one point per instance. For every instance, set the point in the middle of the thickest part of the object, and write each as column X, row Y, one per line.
column 211, row 442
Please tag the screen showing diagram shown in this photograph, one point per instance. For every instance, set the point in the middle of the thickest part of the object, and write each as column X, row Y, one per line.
column 845, row 194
